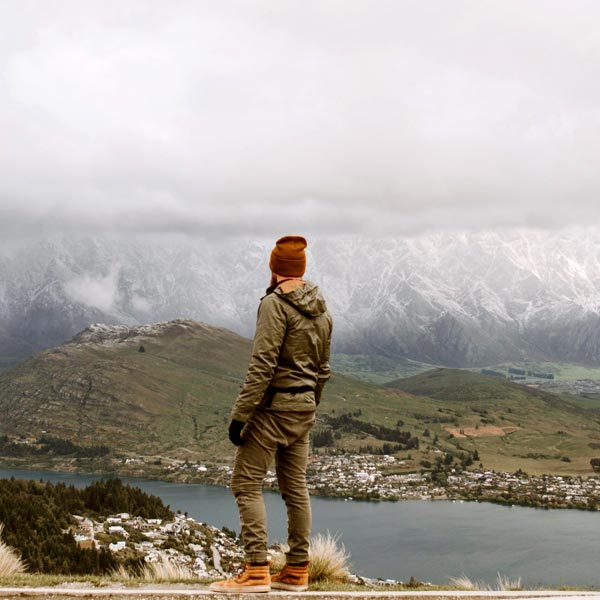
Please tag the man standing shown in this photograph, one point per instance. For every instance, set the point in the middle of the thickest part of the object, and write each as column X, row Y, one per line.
column 273, row 415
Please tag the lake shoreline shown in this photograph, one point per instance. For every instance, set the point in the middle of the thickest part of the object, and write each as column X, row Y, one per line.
column 432, row 541
column 489, row 486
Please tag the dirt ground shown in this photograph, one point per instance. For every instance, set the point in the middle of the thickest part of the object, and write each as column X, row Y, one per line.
column 481, row 431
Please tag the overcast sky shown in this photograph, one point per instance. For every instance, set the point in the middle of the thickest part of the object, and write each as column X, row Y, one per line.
column 321, row 117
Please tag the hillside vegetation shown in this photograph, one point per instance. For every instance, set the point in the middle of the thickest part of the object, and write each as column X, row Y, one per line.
column 174, row 397
column 100, row 397
column 39, row 525
column 511, row 425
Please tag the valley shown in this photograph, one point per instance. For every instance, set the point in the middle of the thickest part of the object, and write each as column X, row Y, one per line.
column 133, row 400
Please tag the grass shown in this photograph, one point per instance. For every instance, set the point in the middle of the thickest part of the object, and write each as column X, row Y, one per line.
column 162, row 572
column 10, row 561
column 549, row 425
column 381, row 369
column 51, row 580
column 157, row 573
column 329, row 561
column 562, row 371
column 376, row 368
column 326, row 586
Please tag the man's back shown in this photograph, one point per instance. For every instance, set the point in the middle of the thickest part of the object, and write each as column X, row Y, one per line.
column 291, row 349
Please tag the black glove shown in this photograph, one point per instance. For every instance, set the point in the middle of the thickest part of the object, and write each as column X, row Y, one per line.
column 235, row 429
column 319, row 392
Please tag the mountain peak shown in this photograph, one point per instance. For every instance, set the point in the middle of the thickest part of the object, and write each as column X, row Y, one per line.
column 454, row 299
column 110, row 335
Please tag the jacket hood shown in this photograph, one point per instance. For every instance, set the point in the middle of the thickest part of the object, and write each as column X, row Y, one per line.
column 307, row 299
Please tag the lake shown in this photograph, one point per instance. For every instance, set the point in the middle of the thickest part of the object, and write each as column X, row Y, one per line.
column 431, row 540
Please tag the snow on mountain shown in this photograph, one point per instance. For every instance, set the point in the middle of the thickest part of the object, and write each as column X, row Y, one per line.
column 450, row 298
column 101, row 334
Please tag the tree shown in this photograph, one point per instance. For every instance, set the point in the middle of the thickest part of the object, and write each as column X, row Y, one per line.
column 322, row 438
column 440, row 478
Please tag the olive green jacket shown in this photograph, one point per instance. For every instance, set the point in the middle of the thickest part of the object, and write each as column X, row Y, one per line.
column 291, row 350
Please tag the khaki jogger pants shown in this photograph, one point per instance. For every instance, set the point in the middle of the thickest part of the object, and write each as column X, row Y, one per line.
column 283, row 436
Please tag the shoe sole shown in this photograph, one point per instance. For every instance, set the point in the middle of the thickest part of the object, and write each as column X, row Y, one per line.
column 289, row 587
column 239, row 589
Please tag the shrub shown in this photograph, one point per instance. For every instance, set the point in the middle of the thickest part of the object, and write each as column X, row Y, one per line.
column 503, row 583
column 328, row 560
column 156, row 572
column 323, row 438
column 10, row 562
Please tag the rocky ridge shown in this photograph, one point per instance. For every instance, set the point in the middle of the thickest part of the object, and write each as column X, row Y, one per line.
column 111, row 335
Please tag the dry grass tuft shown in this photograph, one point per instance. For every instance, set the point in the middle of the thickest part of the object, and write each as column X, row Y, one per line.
column 503, row 583
column 466, row 583
column 10, row 561
column 328, row 560
column 164, row 571
column 278, row 557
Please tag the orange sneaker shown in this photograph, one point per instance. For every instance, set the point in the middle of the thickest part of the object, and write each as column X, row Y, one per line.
column 254, row 578
column 293, row 578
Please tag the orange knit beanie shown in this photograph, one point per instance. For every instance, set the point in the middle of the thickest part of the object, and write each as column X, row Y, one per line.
column 288, row 258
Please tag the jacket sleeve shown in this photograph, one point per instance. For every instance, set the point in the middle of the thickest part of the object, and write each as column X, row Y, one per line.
column 271, row 326
column 324, row 368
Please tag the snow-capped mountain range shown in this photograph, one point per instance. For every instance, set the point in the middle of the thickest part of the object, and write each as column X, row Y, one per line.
column 457, row 299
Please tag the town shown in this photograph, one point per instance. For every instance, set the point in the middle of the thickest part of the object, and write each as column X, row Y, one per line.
column 373, row 477
column 193, row 547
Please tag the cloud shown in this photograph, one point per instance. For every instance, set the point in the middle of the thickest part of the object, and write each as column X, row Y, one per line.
column 140, row 303
column 339, row 116
column 97, row 291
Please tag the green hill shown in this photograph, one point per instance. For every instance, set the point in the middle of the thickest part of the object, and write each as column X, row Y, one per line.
column 458, row 385
column 512, row 425
column 100, row 393
column 174, row 397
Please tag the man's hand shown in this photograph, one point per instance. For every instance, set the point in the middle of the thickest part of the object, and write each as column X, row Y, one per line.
column 319, row 391
column 235, row 429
